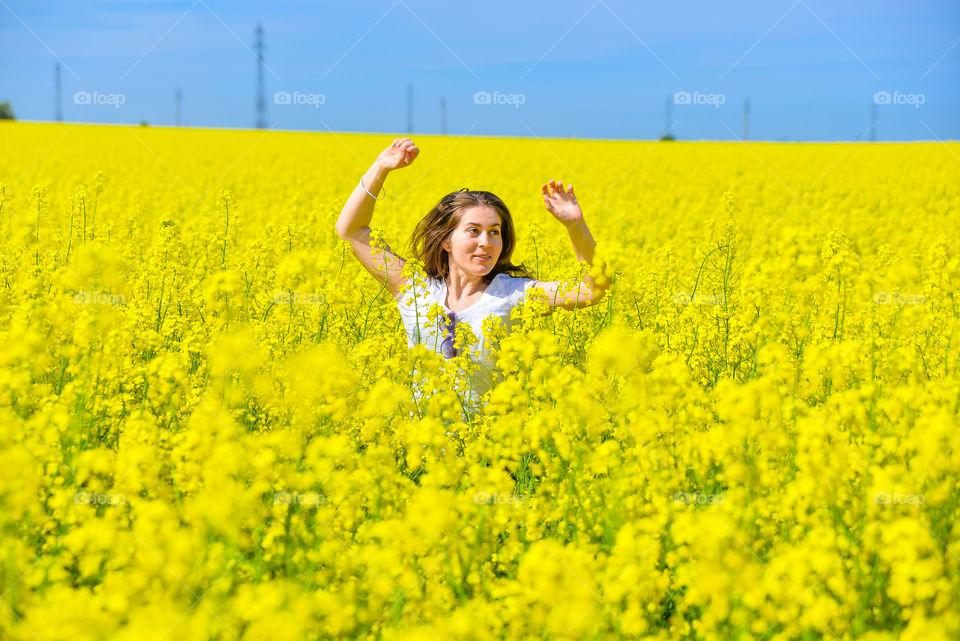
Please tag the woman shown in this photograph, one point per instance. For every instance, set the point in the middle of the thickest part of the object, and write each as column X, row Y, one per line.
column 465, row 244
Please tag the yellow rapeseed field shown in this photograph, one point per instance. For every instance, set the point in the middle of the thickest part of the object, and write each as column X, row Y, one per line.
column 208, row 430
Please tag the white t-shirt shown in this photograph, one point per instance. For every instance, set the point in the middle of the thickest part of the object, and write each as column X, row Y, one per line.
column 502, row 294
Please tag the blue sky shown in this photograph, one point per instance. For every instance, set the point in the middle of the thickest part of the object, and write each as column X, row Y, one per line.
column 811, row 69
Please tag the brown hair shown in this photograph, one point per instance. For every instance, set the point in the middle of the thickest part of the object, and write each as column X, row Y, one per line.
column 442, row 220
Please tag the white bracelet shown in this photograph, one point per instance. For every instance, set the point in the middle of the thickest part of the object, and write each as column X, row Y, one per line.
column 371, row 195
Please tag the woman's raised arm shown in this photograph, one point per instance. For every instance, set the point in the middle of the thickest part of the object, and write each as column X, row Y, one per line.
column 562, row 203
column 353, row 225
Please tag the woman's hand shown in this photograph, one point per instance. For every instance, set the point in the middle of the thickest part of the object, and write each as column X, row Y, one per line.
column 562, row 203
column 400, row 154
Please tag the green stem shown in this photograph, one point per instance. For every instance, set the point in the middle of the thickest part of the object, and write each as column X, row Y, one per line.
column 93, row 217
column 226, row 230
column 70, row 235
column 536, row 253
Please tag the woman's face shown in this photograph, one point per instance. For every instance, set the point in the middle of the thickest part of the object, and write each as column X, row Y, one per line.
column 476, row 243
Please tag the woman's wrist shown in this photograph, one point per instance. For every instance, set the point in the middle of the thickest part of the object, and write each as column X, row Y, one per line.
column 378, row 171
column 372, row 181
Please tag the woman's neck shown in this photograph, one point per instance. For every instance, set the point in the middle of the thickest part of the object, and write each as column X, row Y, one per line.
column 461, row 285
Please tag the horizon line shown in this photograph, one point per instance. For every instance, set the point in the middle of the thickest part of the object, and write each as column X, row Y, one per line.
column 439, row 135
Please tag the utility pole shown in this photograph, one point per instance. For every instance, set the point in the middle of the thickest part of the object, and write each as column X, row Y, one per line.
column 746, row 119
column 261, row 120
column 666, row 127
column 443, row 116
column 410, row 108
column 56, row 76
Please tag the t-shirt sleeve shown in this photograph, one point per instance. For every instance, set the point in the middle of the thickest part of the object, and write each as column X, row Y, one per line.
column 519, row 290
